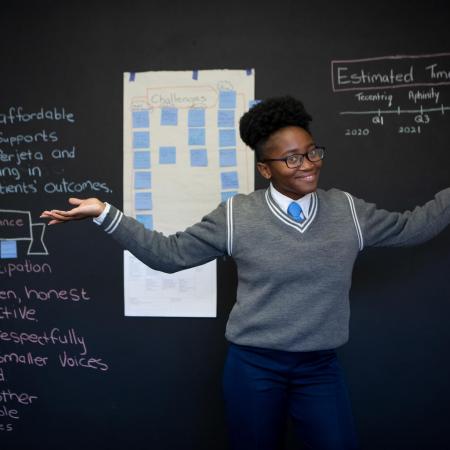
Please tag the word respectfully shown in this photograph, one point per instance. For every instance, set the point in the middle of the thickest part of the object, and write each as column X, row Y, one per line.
column 55, row 336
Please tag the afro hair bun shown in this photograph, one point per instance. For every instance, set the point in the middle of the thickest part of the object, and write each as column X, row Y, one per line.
column 268, row 116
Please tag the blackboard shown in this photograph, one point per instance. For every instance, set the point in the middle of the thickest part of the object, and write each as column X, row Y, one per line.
column 89, row 377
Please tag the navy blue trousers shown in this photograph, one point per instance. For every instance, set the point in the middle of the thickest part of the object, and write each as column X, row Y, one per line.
column 263, row 387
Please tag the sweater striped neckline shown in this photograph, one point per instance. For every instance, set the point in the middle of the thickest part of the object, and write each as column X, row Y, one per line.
column 285, row 218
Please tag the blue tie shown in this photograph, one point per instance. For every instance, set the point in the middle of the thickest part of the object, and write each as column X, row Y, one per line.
column 295, row 211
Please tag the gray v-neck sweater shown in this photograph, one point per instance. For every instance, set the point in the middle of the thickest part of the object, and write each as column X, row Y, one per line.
column 293, row 278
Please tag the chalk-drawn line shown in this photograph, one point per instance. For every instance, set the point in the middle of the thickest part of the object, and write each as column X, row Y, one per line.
column 399, row 111
column 380, row 58
column 34, row 234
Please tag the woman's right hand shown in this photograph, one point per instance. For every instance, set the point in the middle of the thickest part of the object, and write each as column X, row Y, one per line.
column 84, row 208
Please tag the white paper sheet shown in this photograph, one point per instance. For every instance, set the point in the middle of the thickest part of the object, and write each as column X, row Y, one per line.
column 182, row 157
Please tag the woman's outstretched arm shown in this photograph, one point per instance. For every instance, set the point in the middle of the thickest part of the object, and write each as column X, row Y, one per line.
column 198, row 244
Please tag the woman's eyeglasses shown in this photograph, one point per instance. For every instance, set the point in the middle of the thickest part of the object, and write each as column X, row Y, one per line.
column 296, row 160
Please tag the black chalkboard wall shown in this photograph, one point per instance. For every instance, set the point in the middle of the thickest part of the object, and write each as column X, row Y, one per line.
column 155, row 383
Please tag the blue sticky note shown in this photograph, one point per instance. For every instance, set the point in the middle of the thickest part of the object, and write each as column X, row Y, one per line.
column 196, row 117
column 196, row 136
column 227, row 157
column 140, row 119
column 225, row 118
column 227, row 99
column 229, row 180
column 227, row 138
column 167, row 155
column 141, row 139
column 146, row 220
column 8, row 249
column 143, row 200
column 142, row 180
column 141, row 160
column 169, row 116
column 227, row 194
column 199, row 157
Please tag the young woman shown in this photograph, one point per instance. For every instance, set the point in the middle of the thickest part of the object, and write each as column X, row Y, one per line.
column 294, row 246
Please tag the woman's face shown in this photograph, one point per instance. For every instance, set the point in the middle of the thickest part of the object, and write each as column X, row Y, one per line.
column 293, row 183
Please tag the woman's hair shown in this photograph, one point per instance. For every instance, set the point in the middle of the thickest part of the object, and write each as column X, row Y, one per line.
column 268, row 116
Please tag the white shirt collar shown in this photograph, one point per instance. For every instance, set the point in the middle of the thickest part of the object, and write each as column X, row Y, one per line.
column 283, row 201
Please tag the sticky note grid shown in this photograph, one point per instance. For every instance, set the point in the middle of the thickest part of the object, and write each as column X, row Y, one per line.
column 142, row 178
column 226, row 123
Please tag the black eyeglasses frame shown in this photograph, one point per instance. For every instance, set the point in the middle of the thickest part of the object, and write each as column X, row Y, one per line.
column 300, row 161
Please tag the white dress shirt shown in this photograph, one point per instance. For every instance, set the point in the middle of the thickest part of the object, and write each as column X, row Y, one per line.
column 99, row 219
column 283, row 201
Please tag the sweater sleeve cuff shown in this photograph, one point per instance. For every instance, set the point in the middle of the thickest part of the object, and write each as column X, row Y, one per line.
column 112, row 219
column 99, row 219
